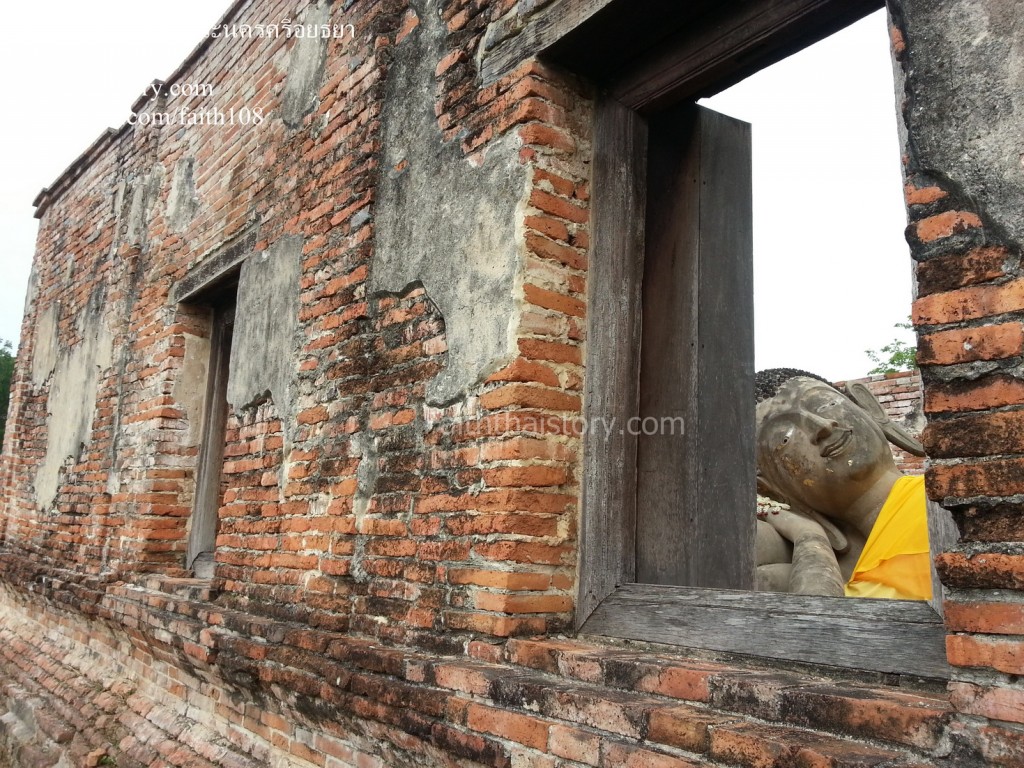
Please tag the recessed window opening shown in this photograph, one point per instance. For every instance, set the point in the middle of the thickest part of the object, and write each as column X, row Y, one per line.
column 832, row 273
column 832, row 279
column 669, row 531
column 209, row 494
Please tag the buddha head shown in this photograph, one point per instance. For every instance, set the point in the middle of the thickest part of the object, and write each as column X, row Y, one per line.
column 817, row 449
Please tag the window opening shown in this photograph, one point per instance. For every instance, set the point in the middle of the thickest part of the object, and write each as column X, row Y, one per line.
column 209, row 493
column 832, row 273
column 630, row 126
column 696, row 350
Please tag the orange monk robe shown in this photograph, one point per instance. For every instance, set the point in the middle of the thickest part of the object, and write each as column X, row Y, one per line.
column 896, row 561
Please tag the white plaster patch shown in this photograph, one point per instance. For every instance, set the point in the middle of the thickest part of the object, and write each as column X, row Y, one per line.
column 190, row 386
column 44, row 345
column 71, row 402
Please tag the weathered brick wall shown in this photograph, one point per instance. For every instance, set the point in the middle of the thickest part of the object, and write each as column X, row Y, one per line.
column 481, row 495
column 965, row 235
column 281, row 693
column 383, row 549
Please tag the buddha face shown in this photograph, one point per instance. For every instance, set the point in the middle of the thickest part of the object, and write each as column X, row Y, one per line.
column 818, row 448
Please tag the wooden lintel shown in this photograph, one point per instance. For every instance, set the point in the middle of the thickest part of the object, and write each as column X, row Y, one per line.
column 541, row 32
column 654, row 53
column 721, row 49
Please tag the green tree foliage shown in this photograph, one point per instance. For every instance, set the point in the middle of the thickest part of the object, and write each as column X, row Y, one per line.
column 6, row 374
column 895, row 356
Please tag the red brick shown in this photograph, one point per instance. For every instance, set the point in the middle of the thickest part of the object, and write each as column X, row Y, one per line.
column 997, row 477
column 618, row 755
column 484, row 651
column 898, row 45
column 392, row 419
column 537, row 349
column 684, row 727
column 922, row 196
column 985, row 570
column 553, row 300
column 993, row 342
column 355, row 568
column 494, row 624
column 998, row 703
column 505, row 500
column 454, row 551
column 521, row 729
column 984, row 617
column 538, row 654
column 519, row 524
column 520, row 603
column 751, row 747
column 531, row 475
column 510, row 580
column 524, row 370
column 981, row 434
column 523, row 552
column 601, row 709
column 1000, row 745
column 882, row 714
column 548, row 226
column 529, row 758
column 528, row 396
column 689, row 682
column 982, row 394
column 312, row 415
column 945, row 273
column 527, row 109
column 556, row 206
column 409, row 22
column 549, row 249
column 391, row 547
column 998, row 653
column 969, row 303
column 467, row 678
column 559, row 185
column 546, row 136
column 576, row 745
column 946, row 224
column 447, row 62
column 520, row 448
column 756, row 746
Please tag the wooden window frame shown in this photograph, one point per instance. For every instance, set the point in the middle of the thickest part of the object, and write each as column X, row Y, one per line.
column 213, row 285
column 204, row 521
column 641, row 68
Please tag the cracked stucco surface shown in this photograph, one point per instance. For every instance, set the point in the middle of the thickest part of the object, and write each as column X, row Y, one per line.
column 445, row 222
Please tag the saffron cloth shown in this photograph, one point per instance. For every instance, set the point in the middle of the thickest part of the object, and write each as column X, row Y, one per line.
column 896, row 560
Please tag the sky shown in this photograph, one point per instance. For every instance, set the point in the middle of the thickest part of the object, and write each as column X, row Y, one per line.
column 64, row 83
column 831, row 267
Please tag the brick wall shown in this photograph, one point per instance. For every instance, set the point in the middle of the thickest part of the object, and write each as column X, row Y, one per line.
column 481, row 495
column 396, row 575
column 965, row 243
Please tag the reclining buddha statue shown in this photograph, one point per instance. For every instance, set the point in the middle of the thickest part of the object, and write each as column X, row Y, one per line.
column 849, row 523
